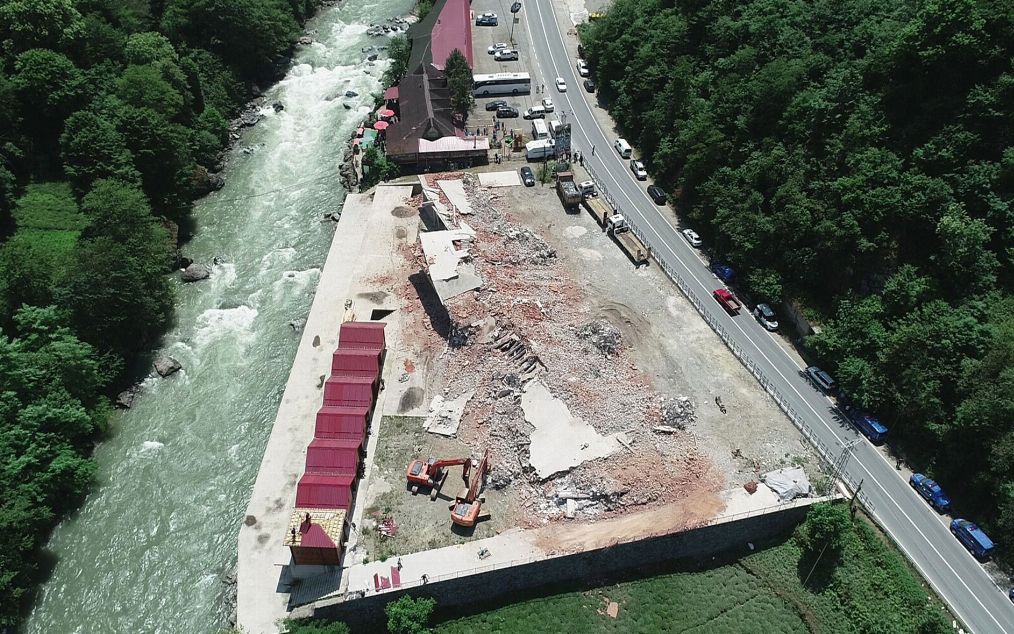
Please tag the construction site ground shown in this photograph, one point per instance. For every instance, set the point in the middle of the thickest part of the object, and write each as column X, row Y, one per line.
column 619, row 348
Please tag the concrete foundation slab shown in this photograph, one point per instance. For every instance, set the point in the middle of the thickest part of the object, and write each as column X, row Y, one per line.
column 455, row 192
column 499, row 179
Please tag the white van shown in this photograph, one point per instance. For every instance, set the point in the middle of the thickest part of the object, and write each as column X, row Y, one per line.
column 535, row 112
column 539, row 130
column 623, row 148
column 554, row 127
column 538, row 150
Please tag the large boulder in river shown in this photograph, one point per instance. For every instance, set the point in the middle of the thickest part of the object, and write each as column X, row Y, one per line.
column 195, row 272
column 206, row 182
column 166, row 366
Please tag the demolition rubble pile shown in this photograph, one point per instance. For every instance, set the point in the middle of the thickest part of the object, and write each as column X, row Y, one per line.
column 528, row 322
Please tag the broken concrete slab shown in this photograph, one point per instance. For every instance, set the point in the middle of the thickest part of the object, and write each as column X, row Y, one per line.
column 560, row 441
column 445, row 416
column 455, row 192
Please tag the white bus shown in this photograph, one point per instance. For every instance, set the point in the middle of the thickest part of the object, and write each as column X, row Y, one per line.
column 501, row 84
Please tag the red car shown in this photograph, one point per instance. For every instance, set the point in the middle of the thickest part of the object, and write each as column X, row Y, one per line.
column 728, row 301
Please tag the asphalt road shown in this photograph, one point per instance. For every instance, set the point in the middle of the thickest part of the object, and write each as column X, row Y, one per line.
column 924, row 535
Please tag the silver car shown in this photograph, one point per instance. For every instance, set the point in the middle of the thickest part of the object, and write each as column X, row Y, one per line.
column 766, row 316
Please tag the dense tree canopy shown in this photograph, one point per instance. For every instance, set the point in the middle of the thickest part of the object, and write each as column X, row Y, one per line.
column 110, row 112
column 854, row 157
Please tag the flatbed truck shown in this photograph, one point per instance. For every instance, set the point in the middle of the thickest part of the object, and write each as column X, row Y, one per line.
column 619, row 228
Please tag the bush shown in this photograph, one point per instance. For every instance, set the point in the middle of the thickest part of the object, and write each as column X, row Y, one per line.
column 408, row 615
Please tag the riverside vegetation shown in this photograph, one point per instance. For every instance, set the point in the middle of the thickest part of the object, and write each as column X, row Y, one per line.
column 856, row 157
column 110, row 112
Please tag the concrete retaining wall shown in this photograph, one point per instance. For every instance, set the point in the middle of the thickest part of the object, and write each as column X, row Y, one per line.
column 367, row 613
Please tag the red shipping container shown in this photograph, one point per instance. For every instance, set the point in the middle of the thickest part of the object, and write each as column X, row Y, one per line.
column 355, row 362
column 337, row 456
column 341, row 422
column 348, row 391
column 316, row 491
column 363, row 335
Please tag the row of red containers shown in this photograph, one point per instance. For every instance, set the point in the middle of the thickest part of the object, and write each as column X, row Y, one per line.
column 335, row 456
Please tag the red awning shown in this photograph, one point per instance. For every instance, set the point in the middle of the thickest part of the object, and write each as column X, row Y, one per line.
column 391, row 94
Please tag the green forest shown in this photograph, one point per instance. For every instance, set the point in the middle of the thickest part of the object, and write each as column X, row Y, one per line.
column 855, row 157
column 112, row 113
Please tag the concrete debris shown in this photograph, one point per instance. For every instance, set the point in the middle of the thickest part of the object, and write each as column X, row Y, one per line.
column 751, row 487
column 403, row 378
column 571, row 509
column 665, row 429
column 678, row 413
column 601, row 334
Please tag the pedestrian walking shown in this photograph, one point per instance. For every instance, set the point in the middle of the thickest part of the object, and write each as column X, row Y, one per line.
column 399, row 563
column 593, row 150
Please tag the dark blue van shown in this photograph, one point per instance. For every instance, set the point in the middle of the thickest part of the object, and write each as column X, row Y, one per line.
column 868, row 426
column 973, row 538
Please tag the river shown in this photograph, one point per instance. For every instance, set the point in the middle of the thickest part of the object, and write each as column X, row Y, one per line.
column 150, row 548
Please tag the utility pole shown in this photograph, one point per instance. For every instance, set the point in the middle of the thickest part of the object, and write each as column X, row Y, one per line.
column 838, row 467
column 515, row 8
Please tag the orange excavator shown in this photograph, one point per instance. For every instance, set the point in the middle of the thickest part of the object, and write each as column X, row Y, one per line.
column 433, row 473
column 465, row 510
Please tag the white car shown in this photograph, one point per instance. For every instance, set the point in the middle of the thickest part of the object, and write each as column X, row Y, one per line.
column 582, row 68
column 692, row 237
column 499, row 46
column 561, row 85
column 548, row 104
column 637, row 167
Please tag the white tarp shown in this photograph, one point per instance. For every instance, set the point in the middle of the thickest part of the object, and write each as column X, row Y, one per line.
column 788, row 482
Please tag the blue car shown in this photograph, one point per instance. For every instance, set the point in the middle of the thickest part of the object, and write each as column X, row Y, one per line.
column 930, row 490
column 724, row 272
column 973, row 538
column 868, row 426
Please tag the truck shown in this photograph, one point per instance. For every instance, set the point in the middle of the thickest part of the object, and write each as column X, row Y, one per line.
column 723, row 271
column 538, row 150
column 728, row 301
column 619, row 228
column 568, row 191
column 599, row 210
column 972, row 537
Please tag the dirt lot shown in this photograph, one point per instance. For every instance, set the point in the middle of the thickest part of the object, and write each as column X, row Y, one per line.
column 620, row 347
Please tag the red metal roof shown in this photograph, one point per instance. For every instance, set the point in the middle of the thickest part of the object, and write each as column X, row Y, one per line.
column 453, row 30
column 355, row 362
column 348, row 391
column 341, row 422
column 368, row 335
column 324, row 491
column 338, row 456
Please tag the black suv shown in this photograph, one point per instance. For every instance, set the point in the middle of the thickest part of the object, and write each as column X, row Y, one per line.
column 528, row 176
column 507, row 112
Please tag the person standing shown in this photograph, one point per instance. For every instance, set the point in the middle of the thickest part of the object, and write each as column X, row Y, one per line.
column 593, row 150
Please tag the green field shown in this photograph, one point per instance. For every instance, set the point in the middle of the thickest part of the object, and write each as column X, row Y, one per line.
column 859, row 585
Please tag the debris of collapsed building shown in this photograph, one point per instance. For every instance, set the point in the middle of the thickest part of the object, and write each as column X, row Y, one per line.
column 521, row 318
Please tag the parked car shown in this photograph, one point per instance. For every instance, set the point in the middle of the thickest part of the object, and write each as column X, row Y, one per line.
column 637, row 167
column 527, row 176
column 547, row 103
column 486, row 19
column 657, row 194
column 724, row 272
column 535, row 112
column 973, row 538
column 692, row 237
column 766, row 316
column 507, row 112
column 582, row 68
column 589, row 85
column 728, row 301
column 499, row 46
column 868, row 425
column 821, row 379
column 930, row 490
column 506, row 55
column 561, row 85
column 496, row 105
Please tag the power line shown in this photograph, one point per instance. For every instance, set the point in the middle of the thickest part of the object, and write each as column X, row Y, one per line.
column 295, row 186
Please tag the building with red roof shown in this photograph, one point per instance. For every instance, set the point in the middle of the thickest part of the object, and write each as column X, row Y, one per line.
column 349, row 391
column 341, row 422
column 325, row 491
column 355, row 362
column 362, row 335
column 334, row 456
column 316, row 536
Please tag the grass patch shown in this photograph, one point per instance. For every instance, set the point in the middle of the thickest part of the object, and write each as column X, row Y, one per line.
column 859, row 585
